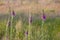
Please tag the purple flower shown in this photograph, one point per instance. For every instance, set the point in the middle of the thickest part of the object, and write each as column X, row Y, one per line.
column 26, row 32
column 30, row 19
column 13, row 13
column 43, row 16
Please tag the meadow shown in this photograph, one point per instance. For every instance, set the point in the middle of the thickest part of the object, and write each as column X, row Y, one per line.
column 21, row 31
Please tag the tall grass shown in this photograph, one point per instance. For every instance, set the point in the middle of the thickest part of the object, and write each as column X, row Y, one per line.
column 51, row 27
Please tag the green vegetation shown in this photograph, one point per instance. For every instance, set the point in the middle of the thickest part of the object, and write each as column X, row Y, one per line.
column 51, row 27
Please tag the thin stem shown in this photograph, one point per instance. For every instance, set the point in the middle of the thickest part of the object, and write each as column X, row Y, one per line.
column 29, row 33
column 42, row 30
column 11, row 29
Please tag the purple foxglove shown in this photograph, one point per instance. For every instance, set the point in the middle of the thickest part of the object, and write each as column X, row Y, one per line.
column 43, row 16
column 13, row 13
column 26, row 32
column 30, row 19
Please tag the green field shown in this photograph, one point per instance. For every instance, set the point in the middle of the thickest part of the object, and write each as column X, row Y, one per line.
column 49, row 31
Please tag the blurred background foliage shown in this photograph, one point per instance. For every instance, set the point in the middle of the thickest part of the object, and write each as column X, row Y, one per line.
column 51, row 27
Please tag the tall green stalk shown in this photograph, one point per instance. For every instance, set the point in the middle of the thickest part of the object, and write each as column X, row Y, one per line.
column 42, row 31
column 42, row 26
column 29, row 27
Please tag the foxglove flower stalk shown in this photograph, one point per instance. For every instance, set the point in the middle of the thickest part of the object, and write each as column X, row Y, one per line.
column 10, row 25
column 8, row 29
column 31, row 19
column 29, row 31
column 26, row 35
column 43, row 16
column 42, row 28
column 13, row 27
column 13, row 13
column 26, row 32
